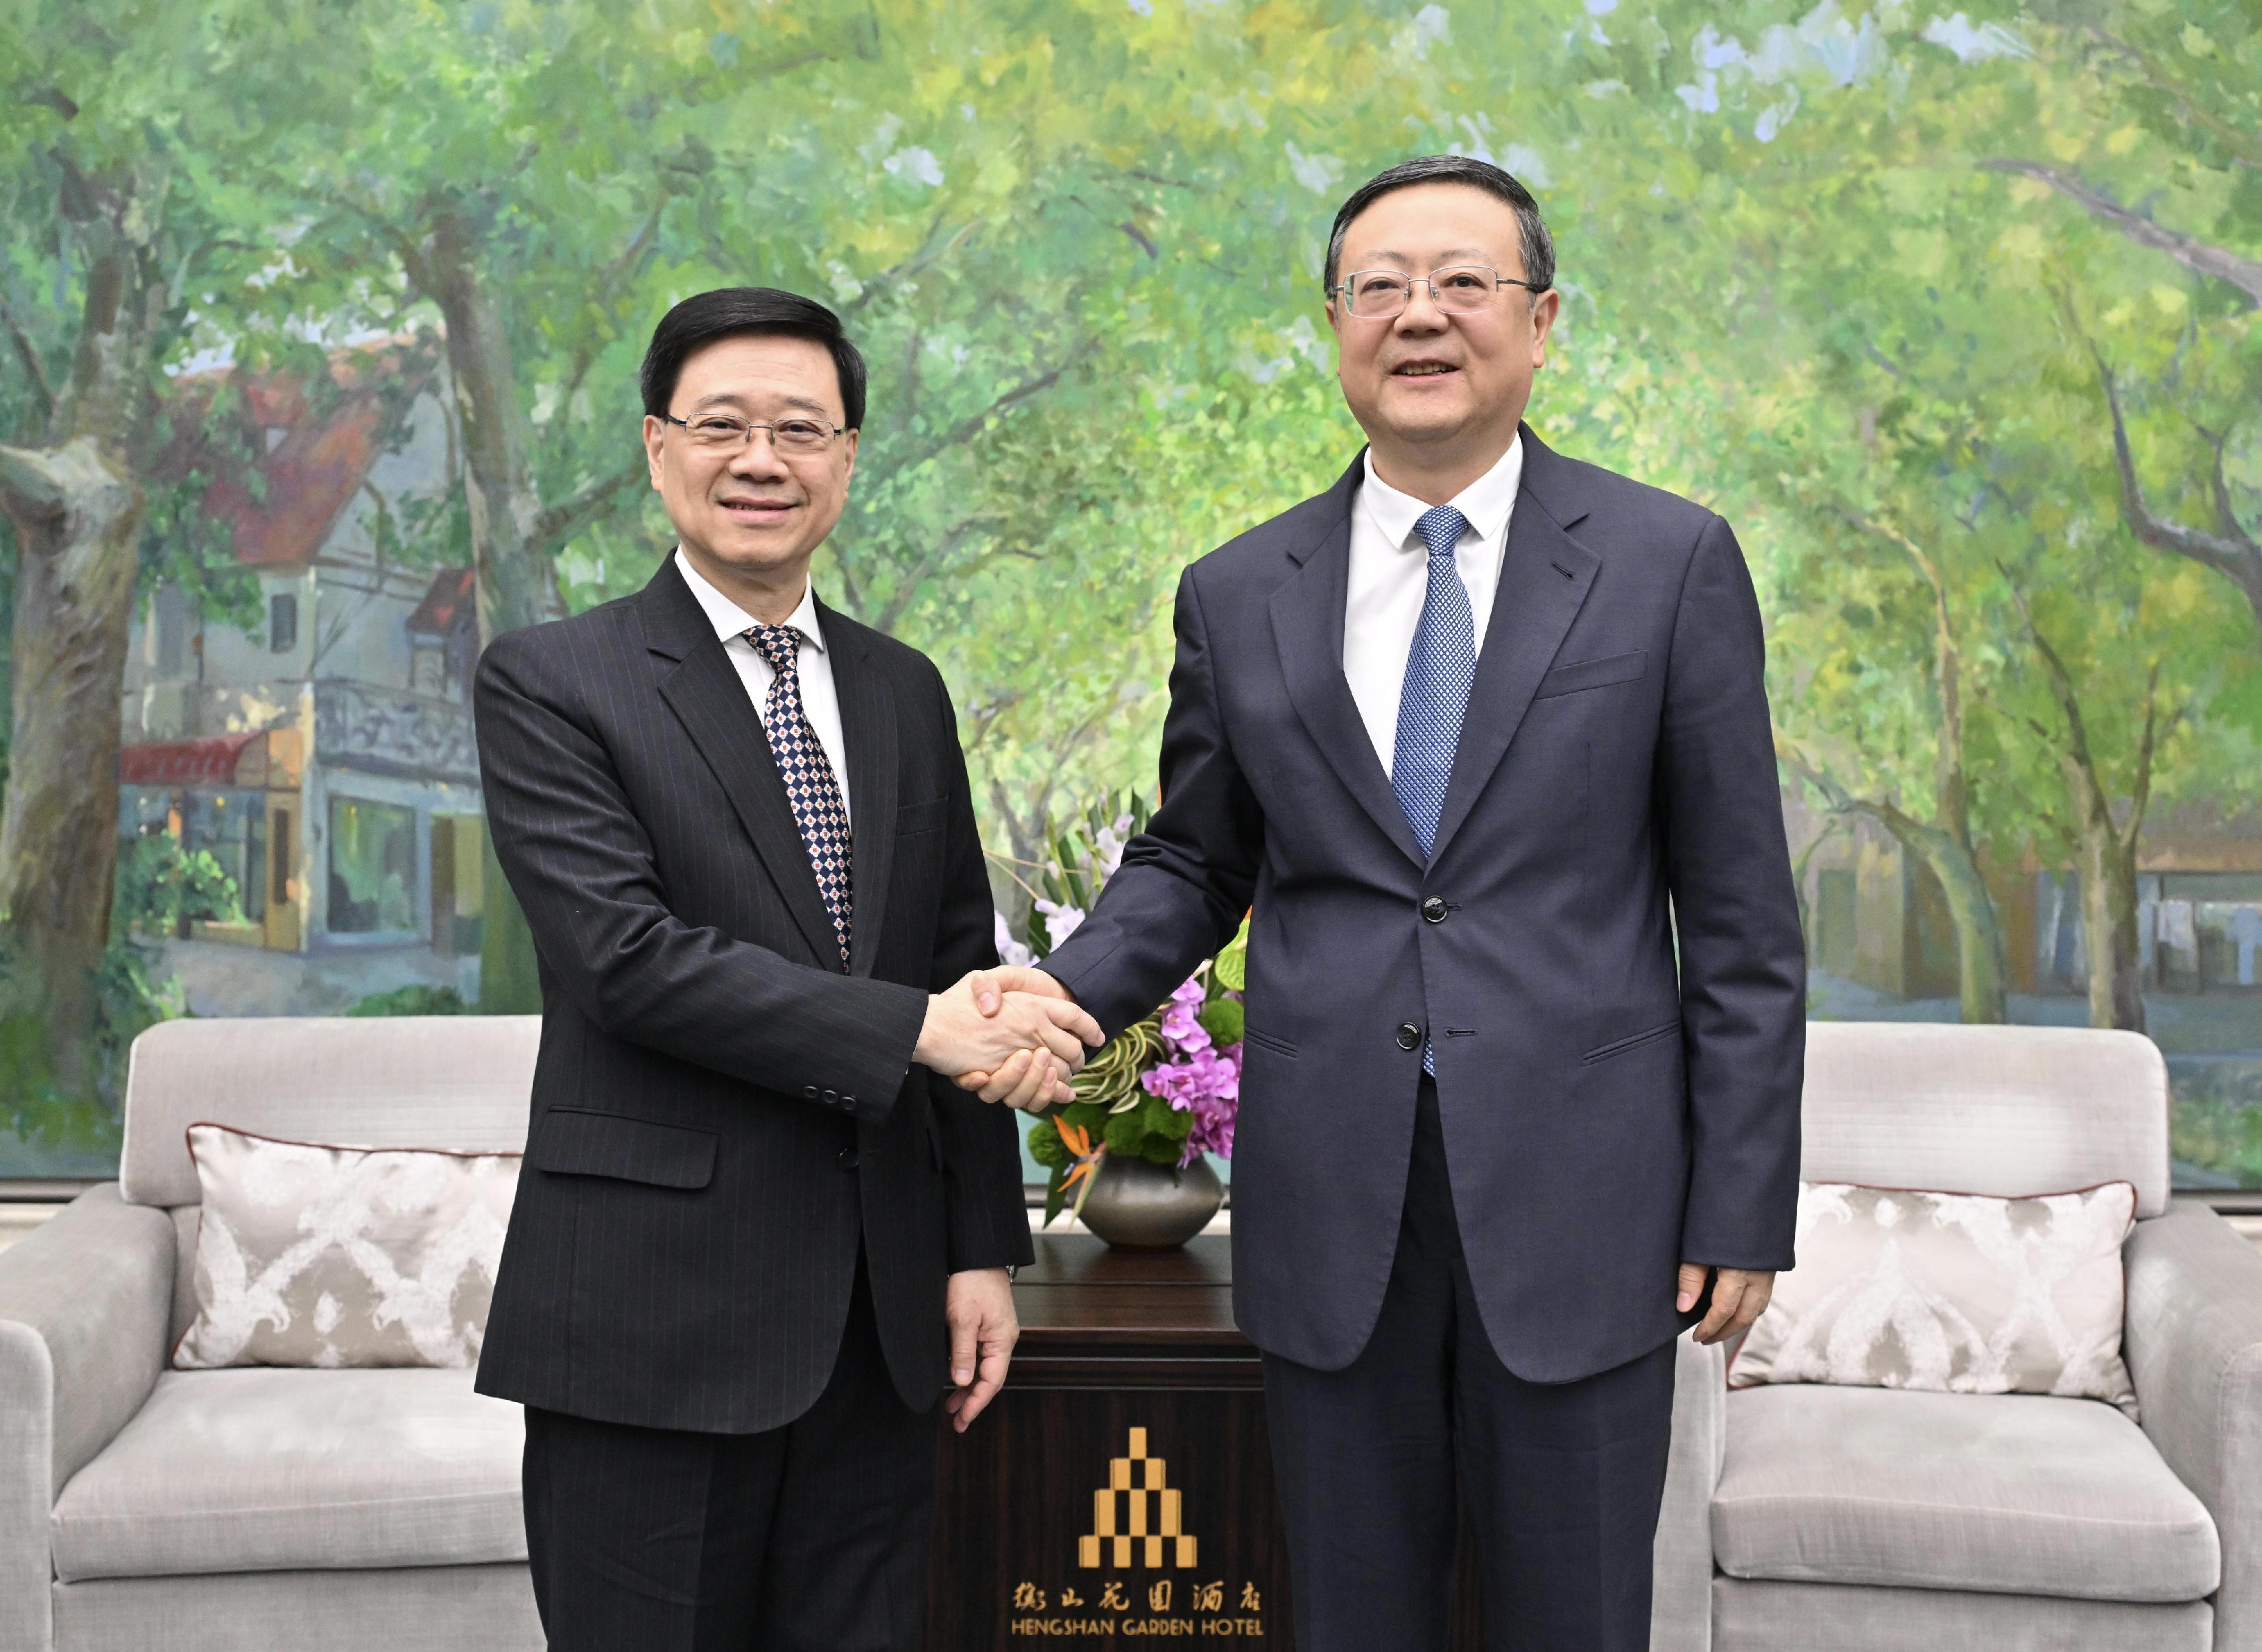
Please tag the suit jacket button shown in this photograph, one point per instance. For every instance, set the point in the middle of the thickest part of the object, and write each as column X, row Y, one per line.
column 832, row 1098
column 1434, row 909
column 809, row 1091
column 848, row 1158
column 1409, row 1035
column 847, row 1104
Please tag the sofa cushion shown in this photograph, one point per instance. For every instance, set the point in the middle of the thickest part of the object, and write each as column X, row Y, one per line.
column 316, row 1255
column 1956, row 1293
column 2012, row 1494
column 399, row 1609
column 261, row 1470
column 1767, row 1617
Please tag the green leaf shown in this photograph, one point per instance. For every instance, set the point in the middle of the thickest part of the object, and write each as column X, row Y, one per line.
column 1046, row 1146
column 1127, row 1132
column 1231, row 969
column 1223, row 1020
column 1167, row 1122
column 1082, row 1116
column 1055, row 1193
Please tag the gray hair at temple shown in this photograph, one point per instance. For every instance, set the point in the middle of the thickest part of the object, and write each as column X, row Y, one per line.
column 1539, row 246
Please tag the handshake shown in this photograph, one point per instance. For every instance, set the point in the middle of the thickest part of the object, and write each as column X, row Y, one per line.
column 1013, row 1035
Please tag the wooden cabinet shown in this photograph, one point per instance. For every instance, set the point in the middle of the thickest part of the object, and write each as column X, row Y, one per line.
column 1120, row 1489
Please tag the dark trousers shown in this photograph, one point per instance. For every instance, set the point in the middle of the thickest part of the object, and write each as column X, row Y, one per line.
column 809, row 1538
column 1561, row 1482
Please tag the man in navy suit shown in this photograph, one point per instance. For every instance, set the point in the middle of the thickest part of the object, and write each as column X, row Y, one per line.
column 1481, row 735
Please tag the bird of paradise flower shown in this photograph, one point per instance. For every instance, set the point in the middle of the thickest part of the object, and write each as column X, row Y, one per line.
column 1085, row 1169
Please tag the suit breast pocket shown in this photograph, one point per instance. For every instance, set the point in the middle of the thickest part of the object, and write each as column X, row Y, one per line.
column 929, row 815
column 1582, row 675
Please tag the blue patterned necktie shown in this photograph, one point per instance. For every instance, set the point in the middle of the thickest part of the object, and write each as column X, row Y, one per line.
column 810, row 784
column 1440, row 667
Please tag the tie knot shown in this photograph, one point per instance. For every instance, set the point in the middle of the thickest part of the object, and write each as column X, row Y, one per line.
column 1441, row 528
column 780, row 644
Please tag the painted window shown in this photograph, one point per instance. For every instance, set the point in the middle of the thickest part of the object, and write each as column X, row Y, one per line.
column 373, row 867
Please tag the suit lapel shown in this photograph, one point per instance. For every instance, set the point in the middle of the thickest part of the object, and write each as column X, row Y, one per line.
column 1545, row 577
column 707, row 697
column 1308, row 628
column 868, row 726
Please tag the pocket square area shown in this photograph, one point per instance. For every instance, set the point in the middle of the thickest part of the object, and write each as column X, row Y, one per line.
column 1581, row 675
column 1594, row 673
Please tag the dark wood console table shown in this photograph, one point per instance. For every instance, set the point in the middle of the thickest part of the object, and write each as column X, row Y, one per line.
column 1120, row 1488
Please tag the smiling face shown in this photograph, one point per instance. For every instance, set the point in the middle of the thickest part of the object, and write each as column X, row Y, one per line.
column 1439, row 395
column 749, row 521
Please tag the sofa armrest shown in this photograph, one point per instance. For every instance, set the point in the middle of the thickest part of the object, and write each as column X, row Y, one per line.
column 85, row 1303
column 1681, row 1603
column 2194, row 1343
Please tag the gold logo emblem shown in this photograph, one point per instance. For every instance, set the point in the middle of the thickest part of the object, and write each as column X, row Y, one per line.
column 1144, row 1483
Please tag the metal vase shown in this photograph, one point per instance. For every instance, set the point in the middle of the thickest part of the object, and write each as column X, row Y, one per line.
column 1138, row 1205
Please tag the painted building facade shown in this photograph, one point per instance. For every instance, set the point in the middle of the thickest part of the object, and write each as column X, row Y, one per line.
column 322, row 753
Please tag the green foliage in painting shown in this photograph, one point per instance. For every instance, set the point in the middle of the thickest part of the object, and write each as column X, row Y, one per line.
column 414, row 1001
column 160, row 889
column 1952, row 315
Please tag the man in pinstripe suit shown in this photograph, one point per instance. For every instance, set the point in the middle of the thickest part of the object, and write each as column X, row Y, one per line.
column 758, row 1233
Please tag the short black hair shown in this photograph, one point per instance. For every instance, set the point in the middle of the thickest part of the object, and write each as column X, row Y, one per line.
column 1539, row 246
column 728, row 312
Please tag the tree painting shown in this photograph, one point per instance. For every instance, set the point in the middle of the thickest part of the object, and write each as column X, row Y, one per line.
column 322, row 330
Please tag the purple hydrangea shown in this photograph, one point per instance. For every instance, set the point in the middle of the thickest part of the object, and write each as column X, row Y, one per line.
column 1196, row 1076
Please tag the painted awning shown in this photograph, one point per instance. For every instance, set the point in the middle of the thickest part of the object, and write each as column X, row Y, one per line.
column 209, row 761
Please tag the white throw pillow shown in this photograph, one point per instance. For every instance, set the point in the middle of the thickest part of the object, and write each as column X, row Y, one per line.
column 1955, row 1293
column 310, row 1255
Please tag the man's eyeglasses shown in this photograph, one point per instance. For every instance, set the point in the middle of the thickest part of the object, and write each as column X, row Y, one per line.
column 721, row 433
column 1377, row 295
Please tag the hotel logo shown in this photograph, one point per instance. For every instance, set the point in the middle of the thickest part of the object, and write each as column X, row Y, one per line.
column 1137, row 1506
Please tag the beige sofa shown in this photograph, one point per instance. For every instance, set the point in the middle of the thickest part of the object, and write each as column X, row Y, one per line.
column 253, row 1511
column 1870, row 1520
column 256, row 1510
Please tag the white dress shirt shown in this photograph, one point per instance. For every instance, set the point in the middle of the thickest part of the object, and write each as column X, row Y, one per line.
column 819, row 699
column 1390, row 577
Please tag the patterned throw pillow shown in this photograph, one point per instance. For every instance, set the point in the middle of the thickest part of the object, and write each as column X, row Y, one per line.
column 1955, row 1293
column 342, row 1256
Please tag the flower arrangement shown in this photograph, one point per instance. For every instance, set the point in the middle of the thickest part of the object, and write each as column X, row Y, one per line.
column 1165, row 1090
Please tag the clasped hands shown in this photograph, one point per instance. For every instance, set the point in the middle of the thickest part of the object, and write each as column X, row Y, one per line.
column 1012, row 1035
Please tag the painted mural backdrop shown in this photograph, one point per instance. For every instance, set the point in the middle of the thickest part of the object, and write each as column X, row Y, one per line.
column 321, row 322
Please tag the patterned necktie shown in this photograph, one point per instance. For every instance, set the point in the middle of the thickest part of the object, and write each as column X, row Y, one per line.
column 1440, row 667
column 810, row 785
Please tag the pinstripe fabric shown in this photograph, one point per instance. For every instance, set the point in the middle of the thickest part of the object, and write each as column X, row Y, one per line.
column 810, row 1538
column 732, row 1116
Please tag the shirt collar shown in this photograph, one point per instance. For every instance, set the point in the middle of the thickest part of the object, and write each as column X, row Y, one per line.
column 730, row 620
column 1485, row 502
